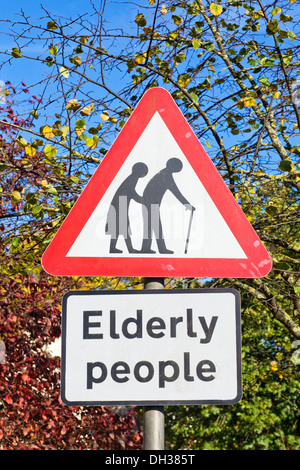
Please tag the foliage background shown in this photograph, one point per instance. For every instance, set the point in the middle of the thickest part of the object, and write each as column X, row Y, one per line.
column 233, row 69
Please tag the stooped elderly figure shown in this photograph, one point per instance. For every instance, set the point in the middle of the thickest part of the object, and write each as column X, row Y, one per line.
column 154, row 192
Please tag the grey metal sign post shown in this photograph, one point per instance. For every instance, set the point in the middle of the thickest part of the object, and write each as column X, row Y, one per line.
column 154, row 416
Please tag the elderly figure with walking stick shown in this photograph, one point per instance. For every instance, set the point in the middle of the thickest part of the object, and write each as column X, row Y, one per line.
column 154, row 192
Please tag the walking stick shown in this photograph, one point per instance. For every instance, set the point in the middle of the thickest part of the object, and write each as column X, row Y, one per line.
column 189, row 231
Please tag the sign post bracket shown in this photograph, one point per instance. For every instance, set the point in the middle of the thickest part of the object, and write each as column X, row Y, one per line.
column 154, row 416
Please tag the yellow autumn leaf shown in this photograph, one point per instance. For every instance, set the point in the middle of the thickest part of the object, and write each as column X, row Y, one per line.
column 73, row 105
column 184, row 80
column 86, row 110
column 140, row 58
column 163, row 10
column 47, row 131
column 249, row 101
column 196, row 43
column 104, row 116
column 274, row 365
column 92, row 142
column 64, row 71
column 76, row 60
column 21, row 141
column 251, row 219
column 80, row 130
column 215, row 9
column 30, row 151
column 43, row 183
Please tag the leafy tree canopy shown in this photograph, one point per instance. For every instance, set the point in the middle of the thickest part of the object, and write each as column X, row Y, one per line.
column 233, row 69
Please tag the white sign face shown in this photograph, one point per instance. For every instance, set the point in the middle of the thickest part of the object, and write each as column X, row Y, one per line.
column 209, row 236
column 151, row 347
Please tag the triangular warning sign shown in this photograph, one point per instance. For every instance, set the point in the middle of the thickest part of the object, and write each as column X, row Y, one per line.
column 156, row 206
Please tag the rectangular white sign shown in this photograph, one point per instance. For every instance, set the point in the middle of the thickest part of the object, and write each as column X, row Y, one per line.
column 148, row 347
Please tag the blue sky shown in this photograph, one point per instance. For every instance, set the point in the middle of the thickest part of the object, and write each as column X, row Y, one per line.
column 32, row 8
column 117, row 11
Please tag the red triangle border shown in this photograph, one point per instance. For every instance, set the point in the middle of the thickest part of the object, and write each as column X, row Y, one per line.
column 55, row 261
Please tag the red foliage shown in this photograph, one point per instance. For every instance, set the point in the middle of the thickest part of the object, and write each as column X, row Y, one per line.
column 32, row 415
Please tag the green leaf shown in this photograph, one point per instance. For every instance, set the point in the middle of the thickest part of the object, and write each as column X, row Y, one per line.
column 177, row 20
column 272, row 26
column 93, row 130
column 78, row 49
column 209, row 46
column 36, row 210
column 80, row 130
column 285, row 18
column 196, row 44
column 16, row 53
column 83, row 137
column 64, row 131
column 271, row 211
column 74, row 179
column 34, row 113
column 50, row 151
column 80, row 123
column 140, row 20
column 292, row 36
column 52, row 190
column 283, row 266
column 198, row 26
column 16, row 196
column 264, row 81
column 195, row 97
column 50, row 61
column 267, row 61
column 184, row 79
column 31, row 198
column 65, row 207
column 51, row 25
column 285, row 165
column 15, row 242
